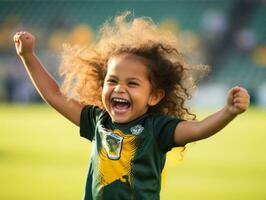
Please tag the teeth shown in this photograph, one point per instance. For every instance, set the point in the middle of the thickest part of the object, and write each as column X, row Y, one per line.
column 120, row 100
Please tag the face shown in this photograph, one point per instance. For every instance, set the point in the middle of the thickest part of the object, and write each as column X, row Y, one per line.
column 127, row 92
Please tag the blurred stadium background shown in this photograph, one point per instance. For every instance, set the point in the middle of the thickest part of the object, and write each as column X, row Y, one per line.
column 41, row 158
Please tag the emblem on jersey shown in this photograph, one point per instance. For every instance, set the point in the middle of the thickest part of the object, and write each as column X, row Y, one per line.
column 112, row 143
column 136, row 130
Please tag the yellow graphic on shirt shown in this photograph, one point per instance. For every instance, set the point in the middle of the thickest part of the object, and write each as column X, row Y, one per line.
column 118, row 149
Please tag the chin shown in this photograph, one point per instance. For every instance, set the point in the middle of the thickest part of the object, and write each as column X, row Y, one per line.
column 120, row 120
column 120, row 117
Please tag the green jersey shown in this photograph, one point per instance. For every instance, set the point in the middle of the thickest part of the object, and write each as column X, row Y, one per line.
column 126, row 159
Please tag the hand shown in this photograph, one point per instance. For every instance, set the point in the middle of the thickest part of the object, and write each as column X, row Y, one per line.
column 237, row 100
column 24, row 43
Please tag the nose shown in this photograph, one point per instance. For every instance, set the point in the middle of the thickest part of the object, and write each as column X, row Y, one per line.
column 119, row 89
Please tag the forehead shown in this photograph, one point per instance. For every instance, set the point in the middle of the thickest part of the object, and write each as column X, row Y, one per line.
column 127, row 62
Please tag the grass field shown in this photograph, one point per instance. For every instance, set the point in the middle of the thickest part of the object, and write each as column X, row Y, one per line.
column 42, row 157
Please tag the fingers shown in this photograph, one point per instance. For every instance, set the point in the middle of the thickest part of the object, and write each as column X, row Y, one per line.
column 235, row 89
column 17, row 36
column 24, row 43
column 240, row 93
column 240, row 98
column 240, row 108
column 21, row 36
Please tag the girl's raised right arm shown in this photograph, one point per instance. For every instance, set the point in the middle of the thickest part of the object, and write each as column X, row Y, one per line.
column 43, row 81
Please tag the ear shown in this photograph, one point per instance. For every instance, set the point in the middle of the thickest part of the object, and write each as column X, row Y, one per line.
column 156, row 97
column 100, row 89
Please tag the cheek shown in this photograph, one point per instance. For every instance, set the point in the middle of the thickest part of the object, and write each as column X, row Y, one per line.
column 105, row 93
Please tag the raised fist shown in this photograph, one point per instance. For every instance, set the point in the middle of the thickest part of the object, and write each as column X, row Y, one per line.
column 237, row 100
column 24, row 43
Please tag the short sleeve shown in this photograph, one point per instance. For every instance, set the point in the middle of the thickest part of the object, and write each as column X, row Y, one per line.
column 88, row 120
column 164, row 130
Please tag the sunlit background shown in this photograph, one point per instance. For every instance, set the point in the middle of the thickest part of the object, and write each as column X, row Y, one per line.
column 41, row 153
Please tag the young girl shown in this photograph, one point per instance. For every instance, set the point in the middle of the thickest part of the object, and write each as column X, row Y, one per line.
column 128, row 94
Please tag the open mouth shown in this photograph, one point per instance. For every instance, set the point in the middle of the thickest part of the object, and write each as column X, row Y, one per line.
column 119, row 104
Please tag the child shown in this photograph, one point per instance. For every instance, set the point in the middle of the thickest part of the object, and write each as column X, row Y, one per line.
column 128, row 96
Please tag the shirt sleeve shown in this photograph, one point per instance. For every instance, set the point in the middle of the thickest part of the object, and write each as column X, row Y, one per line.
column 88, row 120
column 164, row 129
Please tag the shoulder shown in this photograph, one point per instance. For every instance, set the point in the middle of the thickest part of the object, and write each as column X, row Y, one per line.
column 92, row 111
column 92, row 114
column 160, row 124
column 163, row 128
column 89, row 118
column 162, row 120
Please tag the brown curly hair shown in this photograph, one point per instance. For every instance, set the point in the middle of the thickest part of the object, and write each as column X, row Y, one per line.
column 84, row 69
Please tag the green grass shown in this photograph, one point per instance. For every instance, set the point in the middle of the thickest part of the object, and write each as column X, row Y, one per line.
column 42, row 157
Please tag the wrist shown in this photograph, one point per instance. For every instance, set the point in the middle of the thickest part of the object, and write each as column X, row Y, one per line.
column 27, row 55
column 228, row 111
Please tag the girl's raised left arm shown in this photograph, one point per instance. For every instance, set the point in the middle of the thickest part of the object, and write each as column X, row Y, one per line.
column 190, row 131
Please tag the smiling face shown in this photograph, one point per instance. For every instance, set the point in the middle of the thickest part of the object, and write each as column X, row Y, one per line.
column 127, row 92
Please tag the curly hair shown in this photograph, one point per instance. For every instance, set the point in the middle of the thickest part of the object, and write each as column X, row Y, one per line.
column 84, row 69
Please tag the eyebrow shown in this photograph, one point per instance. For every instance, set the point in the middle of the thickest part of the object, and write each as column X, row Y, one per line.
column 128, row 79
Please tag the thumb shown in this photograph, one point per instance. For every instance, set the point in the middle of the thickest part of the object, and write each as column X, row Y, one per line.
column 231, row 94
column 235, row 90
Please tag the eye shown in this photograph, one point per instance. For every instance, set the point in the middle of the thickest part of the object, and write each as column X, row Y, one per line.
column 111, row 81
column 133, row 83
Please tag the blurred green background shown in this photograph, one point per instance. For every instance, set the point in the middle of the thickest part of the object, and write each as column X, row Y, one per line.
column 41, row 153
column 42, row 157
